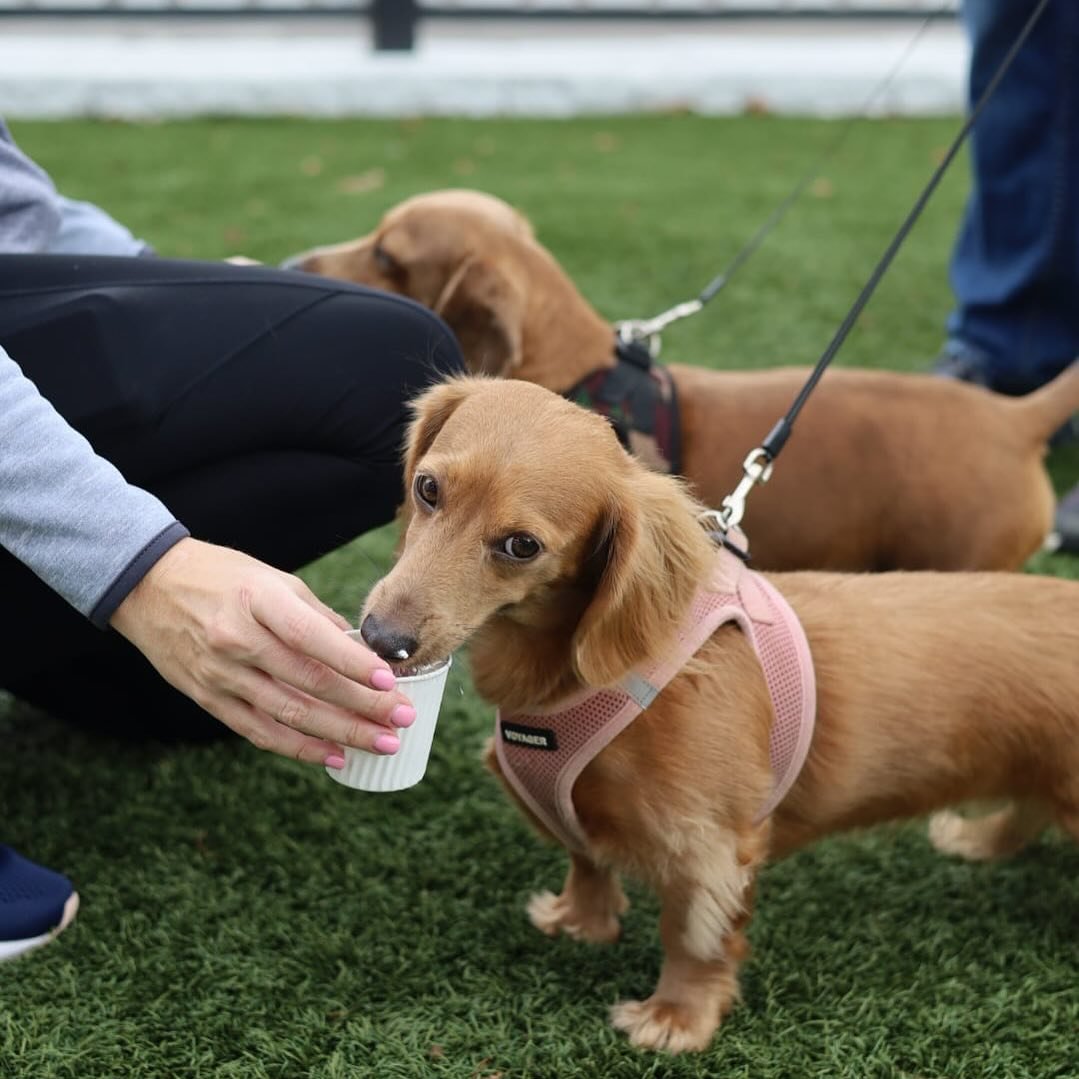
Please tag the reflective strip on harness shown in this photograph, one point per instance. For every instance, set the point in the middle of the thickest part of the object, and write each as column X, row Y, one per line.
column 543, row 753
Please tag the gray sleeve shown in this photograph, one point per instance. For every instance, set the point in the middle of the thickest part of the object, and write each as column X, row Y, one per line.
column 67, row 513
column 36, row 219
column 29, row 205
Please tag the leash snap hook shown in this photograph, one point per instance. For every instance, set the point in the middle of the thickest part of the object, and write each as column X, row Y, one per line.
column 756, row 469
column 639, row 331
column 647, row 330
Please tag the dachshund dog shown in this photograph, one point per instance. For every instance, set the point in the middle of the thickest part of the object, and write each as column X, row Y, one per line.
column 885, row 471
column 565, row 564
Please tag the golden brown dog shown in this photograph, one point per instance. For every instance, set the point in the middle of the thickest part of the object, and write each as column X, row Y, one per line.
column 534, row 536
column 886, row 470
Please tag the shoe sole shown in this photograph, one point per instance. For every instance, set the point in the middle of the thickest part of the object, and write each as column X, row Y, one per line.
column 12, row 949
column 1056, row 544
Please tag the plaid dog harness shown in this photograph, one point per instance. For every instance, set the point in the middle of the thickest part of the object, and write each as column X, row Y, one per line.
column 543, row 753
column 639, row 400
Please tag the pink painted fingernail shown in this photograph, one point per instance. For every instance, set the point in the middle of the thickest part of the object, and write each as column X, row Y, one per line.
column 404, row 715
column 387, row 743
column 382, row 678
column 334, row 760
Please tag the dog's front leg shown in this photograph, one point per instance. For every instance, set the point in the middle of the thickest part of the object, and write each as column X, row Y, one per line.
column 702, row 928
column 592, row 898
column 589, row 907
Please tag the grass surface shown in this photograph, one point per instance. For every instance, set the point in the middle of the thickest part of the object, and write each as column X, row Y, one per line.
column 244, row 916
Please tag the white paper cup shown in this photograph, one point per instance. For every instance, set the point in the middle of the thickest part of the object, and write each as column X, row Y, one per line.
column 377, row 772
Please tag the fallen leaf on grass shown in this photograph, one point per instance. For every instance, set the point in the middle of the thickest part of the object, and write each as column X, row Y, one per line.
column 362, row 183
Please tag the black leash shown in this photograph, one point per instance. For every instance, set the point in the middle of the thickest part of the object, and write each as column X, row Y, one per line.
column 757, row 467
column 640, row 331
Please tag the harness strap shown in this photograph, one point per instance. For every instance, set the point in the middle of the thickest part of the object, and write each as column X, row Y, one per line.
column 543, row 753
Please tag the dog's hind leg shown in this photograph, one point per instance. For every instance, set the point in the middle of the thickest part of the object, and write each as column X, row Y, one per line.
column 589, row 907
column 997, row 835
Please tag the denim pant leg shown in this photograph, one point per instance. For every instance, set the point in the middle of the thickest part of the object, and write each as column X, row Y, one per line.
column 1015, row 267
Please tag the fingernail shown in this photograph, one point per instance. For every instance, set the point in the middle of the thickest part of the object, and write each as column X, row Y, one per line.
column 387, row 743
column 382, row 678
column 404, row 715
column 334, row 760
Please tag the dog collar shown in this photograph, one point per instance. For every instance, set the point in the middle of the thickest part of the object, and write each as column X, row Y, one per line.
column 543, row 753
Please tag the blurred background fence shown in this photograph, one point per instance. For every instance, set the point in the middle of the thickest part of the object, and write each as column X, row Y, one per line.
column 148, row 58
column 394, row 24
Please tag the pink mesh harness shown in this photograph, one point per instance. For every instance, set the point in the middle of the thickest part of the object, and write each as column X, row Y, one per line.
column 543, row 753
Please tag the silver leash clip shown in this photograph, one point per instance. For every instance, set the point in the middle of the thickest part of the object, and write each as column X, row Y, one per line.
column 648, row 330
column 756, row 468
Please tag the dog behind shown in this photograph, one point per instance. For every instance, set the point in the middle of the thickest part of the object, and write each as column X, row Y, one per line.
column 884, row 471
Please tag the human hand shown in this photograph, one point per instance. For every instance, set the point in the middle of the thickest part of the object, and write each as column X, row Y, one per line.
column 260, row 652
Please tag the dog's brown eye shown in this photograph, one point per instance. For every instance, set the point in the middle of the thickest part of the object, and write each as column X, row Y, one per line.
column 384, row 260
column 521, row 547
column 426, row 488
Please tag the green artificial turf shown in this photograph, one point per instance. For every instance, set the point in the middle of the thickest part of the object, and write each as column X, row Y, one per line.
column 243, row 916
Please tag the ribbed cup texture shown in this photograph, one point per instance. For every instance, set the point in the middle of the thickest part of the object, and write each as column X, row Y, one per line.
column 405, row 768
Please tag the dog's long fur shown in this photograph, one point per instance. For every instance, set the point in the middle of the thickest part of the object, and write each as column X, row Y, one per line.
column 934, row 689
column 885, row 471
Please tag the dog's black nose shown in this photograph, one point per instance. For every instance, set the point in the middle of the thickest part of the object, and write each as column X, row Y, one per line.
column 389, row 642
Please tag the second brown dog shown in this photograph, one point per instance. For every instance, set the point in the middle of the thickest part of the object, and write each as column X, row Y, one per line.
column 885, row 471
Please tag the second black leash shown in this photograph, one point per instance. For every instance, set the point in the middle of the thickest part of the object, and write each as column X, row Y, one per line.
column 647, row 331
column 757, row 467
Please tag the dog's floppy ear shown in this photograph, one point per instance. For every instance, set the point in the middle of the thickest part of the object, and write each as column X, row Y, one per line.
column 655, row 557
column 430, row 412
column 485, row 311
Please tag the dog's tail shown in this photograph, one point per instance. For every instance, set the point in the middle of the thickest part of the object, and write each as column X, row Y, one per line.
column 1043, row 412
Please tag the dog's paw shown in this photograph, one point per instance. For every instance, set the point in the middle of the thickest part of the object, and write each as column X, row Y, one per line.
column 983, row 839
column 553, row 914
column 659, row 1024
column 951, row 833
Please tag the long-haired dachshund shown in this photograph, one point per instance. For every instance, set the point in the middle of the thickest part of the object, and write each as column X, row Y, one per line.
column 532, row 535
column 886, row 471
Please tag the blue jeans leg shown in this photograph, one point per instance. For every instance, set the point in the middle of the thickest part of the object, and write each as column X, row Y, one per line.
column 1015, row 266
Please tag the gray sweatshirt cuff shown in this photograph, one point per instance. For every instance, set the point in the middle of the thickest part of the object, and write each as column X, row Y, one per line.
column 134, row 572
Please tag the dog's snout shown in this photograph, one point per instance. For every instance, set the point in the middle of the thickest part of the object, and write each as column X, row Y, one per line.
column 386, row 640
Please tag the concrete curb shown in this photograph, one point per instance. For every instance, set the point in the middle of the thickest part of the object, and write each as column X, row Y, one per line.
column 149, row 68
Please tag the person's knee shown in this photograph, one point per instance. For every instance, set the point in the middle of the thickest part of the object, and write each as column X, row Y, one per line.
column 366, row 356
column 420, row 347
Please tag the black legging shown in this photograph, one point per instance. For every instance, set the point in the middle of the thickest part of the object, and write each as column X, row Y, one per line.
column 265, row 408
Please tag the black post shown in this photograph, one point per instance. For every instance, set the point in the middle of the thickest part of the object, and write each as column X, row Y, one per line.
column 394, row 24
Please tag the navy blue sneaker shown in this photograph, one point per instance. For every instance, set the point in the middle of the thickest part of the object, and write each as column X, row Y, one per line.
column 35, row 904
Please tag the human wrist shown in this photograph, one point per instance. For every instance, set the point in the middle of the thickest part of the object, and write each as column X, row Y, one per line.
column 159, row 559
